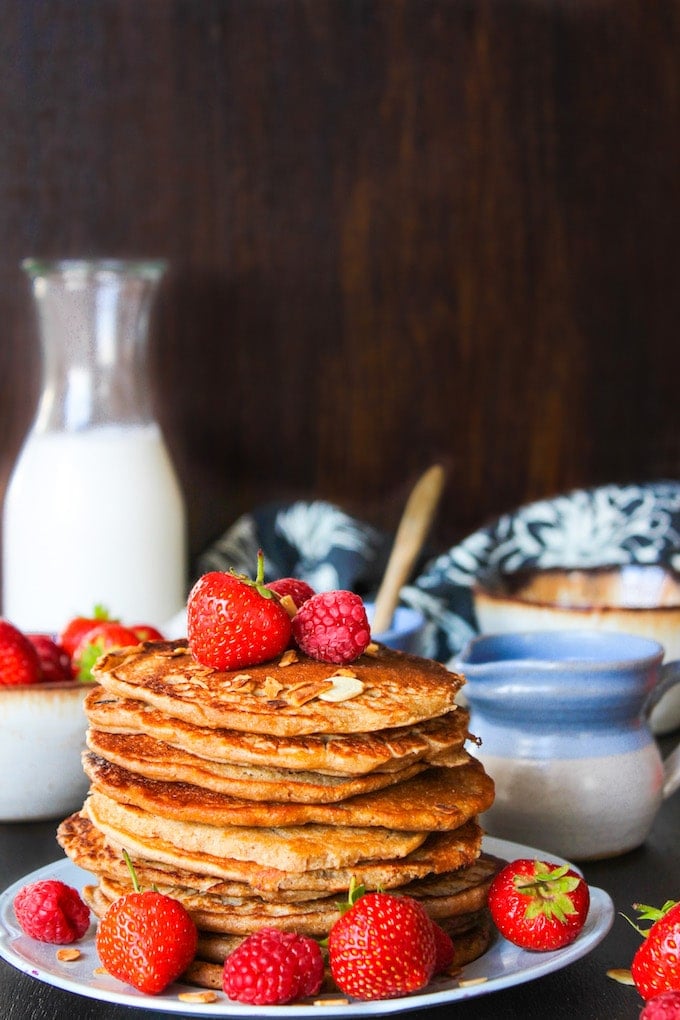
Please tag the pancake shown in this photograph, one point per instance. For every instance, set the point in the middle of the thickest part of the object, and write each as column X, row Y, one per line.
column 211, row 914
column 293, row 696
column 290, row 848
column 435, row 800
column 153, row 759
column 86, row 843
column 436, row 741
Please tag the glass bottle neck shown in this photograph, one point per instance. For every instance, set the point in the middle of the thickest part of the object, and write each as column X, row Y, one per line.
column 93, row 318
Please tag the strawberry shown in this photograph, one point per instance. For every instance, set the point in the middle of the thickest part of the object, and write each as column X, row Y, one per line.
column 332, row 627
column 656, row 964
column 146, row 939
column 539, row 905
column 99, row 639
column 77, row 627
column 383, row 946
column 444, row 949
column 55, row 662
column 51, row 911
column 19, row 662
column 145, row 632
column 271, row 968
column 299, row 591
column 234, row 622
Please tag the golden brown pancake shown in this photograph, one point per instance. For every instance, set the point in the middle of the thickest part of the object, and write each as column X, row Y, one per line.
column 156, row 760
column 432, row 801
column 288, row 697
column 306, row 918
column 290, row 848
column 436, row 741
column 86, row 844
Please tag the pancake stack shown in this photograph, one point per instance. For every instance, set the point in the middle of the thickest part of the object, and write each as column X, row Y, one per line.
column 256, row 796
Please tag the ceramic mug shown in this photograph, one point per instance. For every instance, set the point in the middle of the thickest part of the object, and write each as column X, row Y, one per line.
column 562, row 717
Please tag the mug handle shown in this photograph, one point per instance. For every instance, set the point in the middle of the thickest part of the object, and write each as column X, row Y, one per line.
column 669, row 676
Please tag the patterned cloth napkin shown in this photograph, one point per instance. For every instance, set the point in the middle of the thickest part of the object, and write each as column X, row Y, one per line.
column 324, row 546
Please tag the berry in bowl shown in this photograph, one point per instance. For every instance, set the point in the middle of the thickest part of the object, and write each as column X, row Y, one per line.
column 43, row 681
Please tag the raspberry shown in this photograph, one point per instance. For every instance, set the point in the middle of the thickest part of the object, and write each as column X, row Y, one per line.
column 332, row 627
column 298, row 590
column 444, row 949
column 272, row 968
column 665, row 1006
column 51, row 911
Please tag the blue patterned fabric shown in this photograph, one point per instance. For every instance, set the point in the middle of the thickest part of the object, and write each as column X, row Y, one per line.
column 324, row 546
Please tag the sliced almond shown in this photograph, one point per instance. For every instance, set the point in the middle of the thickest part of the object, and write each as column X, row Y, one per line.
column 344, row 671
column 620, row 974
column 342, row 688
column 287, row 602
column 372, row 648
column 300, row 694
column 68, row 955
column 289, row 657
column 471, row 982
column 271, row 687
column 205, row 996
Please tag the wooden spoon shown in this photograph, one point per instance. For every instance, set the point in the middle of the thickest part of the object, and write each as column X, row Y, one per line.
column 411, row 534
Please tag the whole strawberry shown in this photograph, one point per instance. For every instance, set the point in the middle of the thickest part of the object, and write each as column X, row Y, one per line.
column 665, row 1006
column 19, row 662
column 51, row 911
column 382, row 947
column 271, row 968
column 538, row 905
column 332, row 627
column 76, row 628
column 101, row 638
column 147, row 940
column 656, row 964
column 234, row 622
column 55, row 662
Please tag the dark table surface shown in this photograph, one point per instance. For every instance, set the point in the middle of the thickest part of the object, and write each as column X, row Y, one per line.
column 580, row 991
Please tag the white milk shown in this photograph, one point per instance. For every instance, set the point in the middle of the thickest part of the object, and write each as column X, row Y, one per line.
column 93, row 517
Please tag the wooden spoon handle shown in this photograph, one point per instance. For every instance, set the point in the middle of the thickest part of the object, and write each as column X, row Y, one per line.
column 411, row 534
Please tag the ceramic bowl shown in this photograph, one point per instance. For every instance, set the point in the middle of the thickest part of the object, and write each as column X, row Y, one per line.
column 405, row 630
column 635, row 599
column 42, row 736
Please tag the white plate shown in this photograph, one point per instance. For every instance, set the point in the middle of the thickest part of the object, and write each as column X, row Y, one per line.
column 502, row 966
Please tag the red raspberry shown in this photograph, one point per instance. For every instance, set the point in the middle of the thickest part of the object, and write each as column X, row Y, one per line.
column 332, row 627
column 444, row 949
column 298, row 590
column 55, row 662
column 271, row 968
column 665, row 1006
column 51, row 911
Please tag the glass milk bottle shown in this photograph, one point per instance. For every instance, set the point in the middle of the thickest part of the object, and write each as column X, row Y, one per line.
column 93, row 512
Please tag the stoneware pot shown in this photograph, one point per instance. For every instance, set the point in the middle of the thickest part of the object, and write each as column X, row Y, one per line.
column 563, row 721
column 42, row 737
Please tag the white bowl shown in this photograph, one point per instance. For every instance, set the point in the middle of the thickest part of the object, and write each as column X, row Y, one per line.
column 635, row 599
column 42, row 736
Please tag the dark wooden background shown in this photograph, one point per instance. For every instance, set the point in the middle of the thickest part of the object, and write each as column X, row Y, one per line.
column 400, row 231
